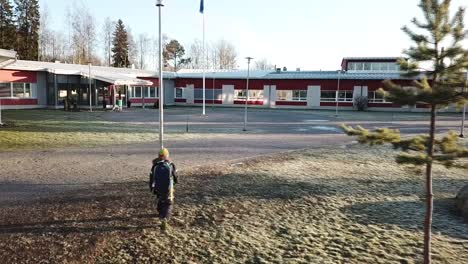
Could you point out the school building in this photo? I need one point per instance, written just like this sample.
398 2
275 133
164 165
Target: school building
30 84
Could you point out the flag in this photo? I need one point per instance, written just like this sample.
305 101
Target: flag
202 6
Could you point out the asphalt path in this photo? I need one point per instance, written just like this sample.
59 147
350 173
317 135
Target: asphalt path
220 139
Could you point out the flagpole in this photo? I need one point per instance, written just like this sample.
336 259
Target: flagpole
161 80
204 64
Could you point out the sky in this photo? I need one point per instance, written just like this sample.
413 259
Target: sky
306 34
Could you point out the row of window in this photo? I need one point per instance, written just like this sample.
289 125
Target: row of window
17 90
347 96
284 95
253 94
373 66
335 96
143 92
299 95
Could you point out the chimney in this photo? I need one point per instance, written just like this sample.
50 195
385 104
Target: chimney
285 69
298 69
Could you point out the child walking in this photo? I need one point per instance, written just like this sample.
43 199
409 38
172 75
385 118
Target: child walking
163 177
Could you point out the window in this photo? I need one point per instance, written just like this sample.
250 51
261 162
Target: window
240 94
367 66
256 94
137 93
358 66
18 90
376 66
375 97
5 90
179 93
328 96
144 92
345 96
153 92
27 90
299 95
283 95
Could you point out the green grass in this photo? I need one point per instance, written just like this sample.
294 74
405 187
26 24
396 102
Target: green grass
42 129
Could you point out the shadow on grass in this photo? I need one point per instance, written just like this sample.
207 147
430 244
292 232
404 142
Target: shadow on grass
129 206
409 215
96 225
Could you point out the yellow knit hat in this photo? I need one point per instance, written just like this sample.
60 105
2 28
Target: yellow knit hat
164 153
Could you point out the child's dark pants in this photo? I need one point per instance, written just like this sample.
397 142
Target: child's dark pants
164 208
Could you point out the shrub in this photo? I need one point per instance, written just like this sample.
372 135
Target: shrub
361 103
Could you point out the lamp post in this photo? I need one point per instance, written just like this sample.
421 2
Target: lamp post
462 129
247 92
159 4
214 82
1 124
90 90
463 122
338 93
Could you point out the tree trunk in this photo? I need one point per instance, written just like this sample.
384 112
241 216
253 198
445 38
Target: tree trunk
429 194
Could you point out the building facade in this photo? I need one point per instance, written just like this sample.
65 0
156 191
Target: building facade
27 84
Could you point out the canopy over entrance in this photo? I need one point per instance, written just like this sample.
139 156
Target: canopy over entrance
113 76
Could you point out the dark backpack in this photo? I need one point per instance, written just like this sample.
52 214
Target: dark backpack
162 178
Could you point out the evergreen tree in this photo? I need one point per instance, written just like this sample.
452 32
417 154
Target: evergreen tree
439 45
7 26
27 19
120 46
175 52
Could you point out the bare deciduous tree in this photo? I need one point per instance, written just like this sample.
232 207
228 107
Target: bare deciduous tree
143 46
45 34
263 65
83 33
225 54
196 55
52 44
107 30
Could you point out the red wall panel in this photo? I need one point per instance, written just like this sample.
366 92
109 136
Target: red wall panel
180 100
238 83
291 103
383 105
334 104
15 101
154 80
140 100
18 76
242 102
209 101
288 84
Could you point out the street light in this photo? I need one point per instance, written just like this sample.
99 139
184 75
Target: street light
463 122
90 90
214 82
464 109
338 93
1 124
247 92
159 4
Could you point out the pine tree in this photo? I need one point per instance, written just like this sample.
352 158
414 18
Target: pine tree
440 46
120 46
28 21
7 26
